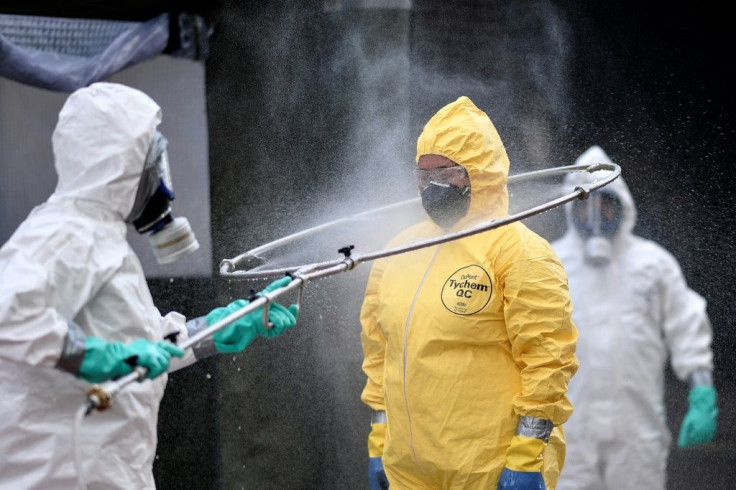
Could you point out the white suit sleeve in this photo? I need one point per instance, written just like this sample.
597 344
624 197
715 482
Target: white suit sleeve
41 291
174 329
33 330
686 324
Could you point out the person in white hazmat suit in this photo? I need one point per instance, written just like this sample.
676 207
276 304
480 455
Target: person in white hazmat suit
633 309
75 308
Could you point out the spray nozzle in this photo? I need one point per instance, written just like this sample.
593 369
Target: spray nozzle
346 250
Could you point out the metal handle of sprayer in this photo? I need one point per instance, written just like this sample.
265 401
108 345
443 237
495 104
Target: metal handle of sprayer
100 396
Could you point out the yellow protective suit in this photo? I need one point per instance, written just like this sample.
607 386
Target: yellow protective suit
462 339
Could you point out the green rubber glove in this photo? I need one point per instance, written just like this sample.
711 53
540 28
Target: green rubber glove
108 360
243 331
699 425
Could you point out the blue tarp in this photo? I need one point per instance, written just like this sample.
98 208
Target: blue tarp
66 70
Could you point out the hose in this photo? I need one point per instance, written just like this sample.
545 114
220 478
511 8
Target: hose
77 446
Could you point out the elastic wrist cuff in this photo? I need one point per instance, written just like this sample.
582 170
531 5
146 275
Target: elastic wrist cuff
206 346
73 350
701 377
378 417
534 427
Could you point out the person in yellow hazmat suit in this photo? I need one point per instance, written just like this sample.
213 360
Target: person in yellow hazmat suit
468 346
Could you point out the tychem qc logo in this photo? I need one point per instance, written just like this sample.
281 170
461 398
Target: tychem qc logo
467 290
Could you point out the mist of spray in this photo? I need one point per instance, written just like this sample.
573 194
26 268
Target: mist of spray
393 71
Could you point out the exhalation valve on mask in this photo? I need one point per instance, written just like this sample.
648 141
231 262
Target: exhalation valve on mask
170 238
598 251
597 220
446 204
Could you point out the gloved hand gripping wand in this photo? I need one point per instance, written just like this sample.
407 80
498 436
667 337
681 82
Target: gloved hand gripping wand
100 396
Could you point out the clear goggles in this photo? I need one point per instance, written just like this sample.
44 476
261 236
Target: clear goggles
156 175
455 176
600 214
158 158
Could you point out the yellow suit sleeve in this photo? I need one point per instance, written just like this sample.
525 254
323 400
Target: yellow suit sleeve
373 341
538 315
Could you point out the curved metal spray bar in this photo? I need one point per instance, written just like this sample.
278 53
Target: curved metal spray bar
228 267
100 396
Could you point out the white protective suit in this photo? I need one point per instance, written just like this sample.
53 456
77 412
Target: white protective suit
631 314
70 260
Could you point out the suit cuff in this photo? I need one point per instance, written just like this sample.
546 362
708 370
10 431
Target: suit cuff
534 427
205 347
378 417
73 350
701 377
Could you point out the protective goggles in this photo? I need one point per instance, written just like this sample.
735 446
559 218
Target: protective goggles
599 215
155 189
444 176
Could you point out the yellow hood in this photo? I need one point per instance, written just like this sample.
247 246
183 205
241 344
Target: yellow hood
465 134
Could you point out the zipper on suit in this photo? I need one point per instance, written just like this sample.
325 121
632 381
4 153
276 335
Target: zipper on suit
406 339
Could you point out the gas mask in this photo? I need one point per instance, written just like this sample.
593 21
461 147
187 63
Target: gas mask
445 194
170 237
597 220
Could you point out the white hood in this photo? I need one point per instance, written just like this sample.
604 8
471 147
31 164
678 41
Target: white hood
100 143
618 187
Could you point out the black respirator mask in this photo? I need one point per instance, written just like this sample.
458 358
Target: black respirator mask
446 204
598 220
445 193
170 237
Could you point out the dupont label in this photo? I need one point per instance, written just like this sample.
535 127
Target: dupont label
467 290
